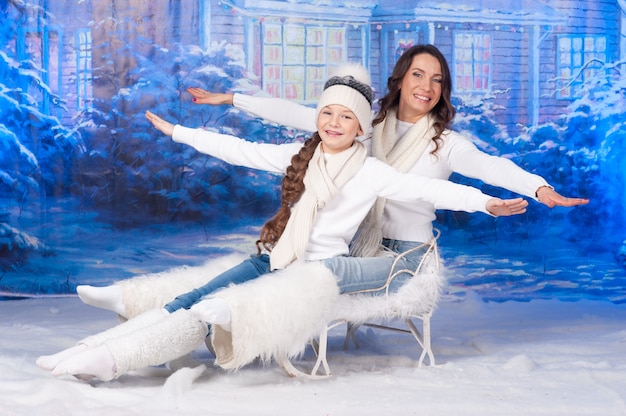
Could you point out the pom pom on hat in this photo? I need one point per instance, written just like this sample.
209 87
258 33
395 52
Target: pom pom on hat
350 87
356 71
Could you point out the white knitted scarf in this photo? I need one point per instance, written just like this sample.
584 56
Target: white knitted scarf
402 155
322 182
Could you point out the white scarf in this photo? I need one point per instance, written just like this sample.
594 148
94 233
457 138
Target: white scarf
322 182
402 155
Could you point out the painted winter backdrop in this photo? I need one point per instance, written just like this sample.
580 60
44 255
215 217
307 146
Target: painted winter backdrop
107 197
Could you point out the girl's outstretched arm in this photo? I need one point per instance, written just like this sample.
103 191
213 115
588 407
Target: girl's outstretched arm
163 126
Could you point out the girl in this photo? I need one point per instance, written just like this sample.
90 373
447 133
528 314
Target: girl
329 186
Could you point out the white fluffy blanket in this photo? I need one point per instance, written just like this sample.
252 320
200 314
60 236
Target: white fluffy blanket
275 315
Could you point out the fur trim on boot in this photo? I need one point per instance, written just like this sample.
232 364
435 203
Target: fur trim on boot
172 337
275 315
155 290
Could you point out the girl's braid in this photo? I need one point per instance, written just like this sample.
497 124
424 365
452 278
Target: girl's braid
292 190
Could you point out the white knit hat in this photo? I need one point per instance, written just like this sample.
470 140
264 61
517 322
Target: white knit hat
350 87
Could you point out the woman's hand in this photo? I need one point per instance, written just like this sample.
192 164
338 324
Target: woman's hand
551 198
201 96
506 207
161 125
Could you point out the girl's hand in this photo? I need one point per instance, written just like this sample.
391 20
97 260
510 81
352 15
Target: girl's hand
551 198
161 125
506 207
201 96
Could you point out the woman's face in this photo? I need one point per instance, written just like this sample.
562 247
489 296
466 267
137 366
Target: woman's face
420 88
337 127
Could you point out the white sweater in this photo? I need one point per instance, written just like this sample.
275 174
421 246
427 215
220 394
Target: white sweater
336 223
412 221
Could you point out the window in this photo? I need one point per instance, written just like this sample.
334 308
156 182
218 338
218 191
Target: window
84 93
578 59
472 62
40 47
298 58
403 41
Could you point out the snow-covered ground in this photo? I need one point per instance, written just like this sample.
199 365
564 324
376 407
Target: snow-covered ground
543 357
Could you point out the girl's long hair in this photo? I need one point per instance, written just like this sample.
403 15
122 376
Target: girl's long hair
442 113
291 191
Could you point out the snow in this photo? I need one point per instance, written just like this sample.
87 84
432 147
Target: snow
542 357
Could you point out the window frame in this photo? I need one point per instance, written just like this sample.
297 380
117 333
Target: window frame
84 70
577 61
465 64
297 58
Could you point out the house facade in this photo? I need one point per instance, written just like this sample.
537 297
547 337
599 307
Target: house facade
528 58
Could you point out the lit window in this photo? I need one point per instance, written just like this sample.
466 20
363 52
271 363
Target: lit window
298 58
472 62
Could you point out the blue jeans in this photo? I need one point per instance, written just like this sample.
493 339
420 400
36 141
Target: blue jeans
249 269
370 273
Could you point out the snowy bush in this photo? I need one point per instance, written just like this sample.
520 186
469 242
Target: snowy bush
35 148
138 175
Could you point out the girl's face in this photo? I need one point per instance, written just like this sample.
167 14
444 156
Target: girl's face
338 127
420 88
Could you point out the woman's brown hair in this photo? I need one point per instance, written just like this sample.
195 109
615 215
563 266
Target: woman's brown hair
291 191
442 113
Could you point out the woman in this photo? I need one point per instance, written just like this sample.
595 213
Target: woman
329 186
410 132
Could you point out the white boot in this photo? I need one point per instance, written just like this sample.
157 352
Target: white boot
49 362
93 362
155 290
131 297
107 297
167 339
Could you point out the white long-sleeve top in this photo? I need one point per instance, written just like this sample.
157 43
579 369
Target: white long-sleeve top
337 222
412 221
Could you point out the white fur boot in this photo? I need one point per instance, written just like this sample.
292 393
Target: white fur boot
107 297
92 362
49 362
172 337
155 290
